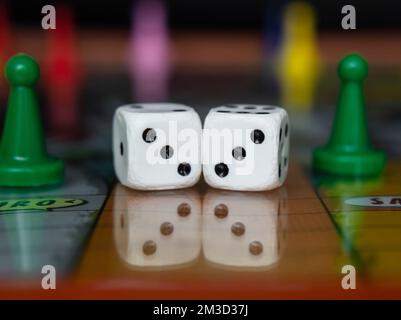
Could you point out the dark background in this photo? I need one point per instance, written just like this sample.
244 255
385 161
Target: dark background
215 14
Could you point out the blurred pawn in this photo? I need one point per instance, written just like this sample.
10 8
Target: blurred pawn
62 76
298 59
272 36
149 51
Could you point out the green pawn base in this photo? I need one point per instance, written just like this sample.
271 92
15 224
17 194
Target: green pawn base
368 163
48 172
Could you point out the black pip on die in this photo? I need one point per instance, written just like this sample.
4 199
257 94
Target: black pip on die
157 146
246 147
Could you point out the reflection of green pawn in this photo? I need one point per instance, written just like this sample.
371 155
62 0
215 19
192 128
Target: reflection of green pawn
23 158
349 152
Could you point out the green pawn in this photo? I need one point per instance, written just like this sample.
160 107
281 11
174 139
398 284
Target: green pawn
349 152
23 158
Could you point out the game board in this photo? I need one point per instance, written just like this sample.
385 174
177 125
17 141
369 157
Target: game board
315 234
312 235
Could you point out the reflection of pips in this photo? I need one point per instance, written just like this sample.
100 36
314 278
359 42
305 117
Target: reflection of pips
166 228
221 211
184 210
238 229
255 248
149 248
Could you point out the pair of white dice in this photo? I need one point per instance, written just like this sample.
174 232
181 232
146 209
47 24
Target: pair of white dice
160 146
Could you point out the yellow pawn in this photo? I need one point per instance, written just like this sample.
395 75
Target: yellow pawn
298 61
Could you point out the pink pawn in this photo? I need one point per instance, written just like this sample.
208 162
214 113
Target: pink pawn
149 51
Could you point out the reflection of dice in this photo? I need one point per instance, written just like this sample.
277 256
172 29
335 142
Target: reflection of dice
157 146
157 229
242 229
246 147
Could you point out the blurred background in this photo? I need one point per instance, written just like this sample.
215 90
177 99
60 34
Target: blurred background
209 14
204 53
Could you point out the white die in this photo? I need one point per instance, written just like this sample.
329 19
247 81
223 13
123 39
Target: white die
246 147
158 229
242 230
147 142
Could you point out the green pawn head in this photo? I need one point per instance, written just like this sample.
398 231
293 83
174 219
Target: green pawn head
22 70
353 67
23 158
349 152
